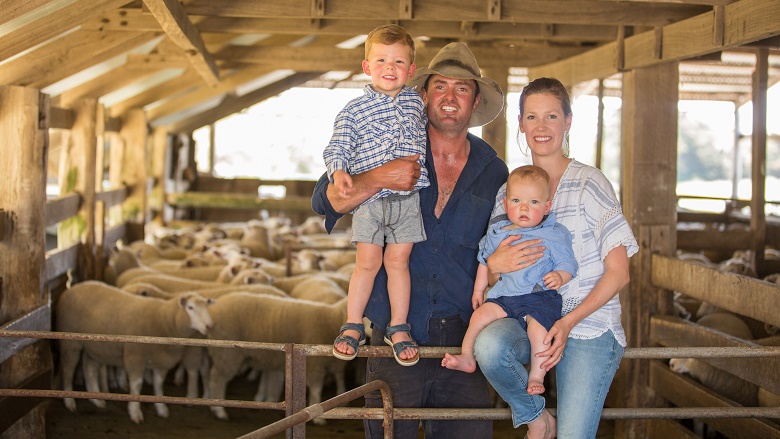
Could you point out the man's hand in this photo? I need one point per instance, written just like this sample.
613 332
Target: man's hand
400 174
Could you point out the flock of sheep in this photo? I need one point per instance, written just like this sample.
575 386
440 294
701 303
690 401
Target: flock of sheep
232 283
216 282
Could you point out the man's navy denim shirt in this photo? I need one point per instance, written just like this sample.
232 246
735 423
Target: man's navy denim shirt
443 267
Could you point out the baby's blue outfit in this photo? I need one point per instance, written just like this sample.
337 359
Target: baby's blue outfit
523 292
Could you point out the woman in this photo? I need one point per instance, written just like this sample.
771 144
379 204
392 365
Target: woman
589 333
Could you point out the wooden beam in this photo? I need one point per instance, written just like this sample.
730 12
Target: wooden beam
714 240
45 22
512 11
676 332
187 80
739 294
333 58
62 208
683 39
175 23
59 261
758 160
203 93
103 85
684 392
68 55
234 104
237 201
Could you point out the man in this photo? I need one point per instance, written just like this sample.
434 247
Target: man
465 174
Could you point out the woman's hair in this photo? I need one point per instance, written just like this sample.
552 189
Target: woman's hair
390 34
549 86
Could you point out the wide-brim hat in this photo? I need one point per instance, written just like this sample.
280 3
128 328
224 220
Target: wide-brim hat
455 60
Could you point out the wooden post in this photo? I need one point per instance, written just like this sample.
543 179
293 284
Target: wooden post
649 178
494 133
134 136
600 125
758 162
24 150
156 199
77 174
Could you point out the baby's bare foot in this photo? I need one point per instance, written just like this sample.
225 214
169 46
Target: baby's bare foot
462 363
535 387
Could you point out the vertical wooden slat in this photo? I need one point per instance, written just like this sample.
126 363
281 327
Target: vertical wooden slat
649 164
494 133
77 174
758 162
24 150
134 172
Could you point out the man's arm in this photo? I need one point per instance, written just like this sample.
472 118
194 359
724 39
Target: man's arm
400 174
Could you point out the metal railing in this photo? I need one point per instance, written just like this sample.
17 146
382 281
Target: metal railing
297 414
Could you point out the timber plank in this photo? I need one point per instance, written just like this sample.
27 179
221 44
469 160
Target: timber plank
684 392
739 294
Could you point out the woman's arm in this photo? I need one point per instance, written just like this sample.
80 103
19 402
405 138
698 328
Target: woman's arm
615 277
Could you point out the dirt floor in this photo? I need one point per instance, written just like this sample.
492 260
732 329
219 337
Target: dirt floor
187 422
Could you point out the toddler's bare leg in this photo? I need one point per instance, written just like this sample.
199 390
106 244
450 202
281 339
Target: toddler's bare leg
483 316
536 334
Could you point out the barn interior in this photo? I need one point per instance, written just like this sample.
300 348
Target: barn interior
100 100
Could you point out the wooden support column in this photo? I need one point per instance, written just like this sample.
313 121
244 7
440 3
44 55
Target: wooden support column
24 150
494 133
134 134
77 175
758 162
156 200
649 178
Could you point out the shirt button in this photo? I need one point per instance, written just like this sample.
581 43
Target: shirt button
435 276
500 278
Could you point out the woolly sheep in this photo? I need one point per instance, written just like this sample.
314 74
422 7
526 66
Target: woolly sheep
290 282
259 318
97 308
724 383
318 289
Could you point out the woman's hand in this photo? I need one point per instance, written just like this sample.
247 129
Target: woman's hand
509 257
556 338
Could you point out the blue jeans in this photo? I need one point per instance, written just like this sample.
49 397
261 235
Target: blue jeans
429 385
583 376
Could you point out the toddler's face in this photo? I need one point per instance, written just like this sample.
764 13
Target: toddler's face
389 66
526 201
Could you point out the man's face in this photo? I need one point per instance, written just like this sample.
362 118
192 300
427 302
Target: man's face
450 102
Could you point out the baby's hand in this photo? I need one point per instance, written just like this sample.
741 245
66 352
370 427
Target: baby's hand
343 183
477 297
553 280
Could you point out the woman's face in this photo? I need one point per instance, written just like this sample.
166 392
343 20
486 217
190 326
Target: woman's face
544 123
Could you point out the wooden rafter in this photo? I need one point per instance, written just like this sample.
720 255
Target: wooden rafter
175 23
684 39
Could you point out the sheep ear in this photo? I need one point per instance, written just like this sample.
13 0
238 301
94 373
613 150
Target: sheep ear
183 301
210 302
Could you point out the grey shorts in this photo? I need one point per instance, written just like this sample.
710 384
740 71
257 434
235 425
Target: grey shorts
394 219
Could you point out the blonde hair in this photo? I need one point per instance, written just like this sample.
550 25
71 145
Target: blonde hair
530 172
390 34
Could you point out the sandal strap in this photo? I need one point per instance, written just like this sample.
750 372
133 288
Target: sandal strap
403 327
359 327
403 345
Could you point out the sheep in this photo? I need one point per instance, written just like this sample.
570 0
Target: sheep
177 284
318 289
270 319
97 308
289 283
145 289
724 383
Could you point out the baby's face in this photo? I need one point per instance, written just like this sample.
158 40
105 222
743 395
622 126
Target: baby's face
526 201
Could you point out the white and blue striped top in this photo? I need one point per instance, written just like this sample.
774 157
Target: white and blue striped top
374 129
586 204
